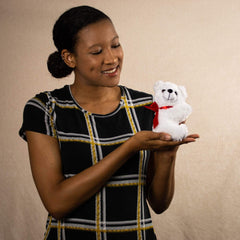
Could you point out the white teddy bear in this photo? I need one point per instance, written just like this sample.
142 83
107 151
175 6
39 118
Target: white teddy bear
171 109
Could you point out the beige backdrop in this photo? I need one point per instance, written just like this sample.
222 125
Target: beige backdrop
190 42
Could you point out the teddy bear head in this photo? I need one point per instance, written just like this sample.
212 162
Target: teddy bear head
167 93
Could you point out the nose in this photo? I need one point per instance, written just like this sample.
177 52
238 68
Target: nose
170 90
109 57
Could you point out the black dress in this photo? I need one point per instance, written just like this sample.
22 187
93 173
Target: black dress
119 211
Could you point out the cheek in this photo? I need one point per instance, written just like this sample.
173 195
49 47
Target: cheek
92 69
92 65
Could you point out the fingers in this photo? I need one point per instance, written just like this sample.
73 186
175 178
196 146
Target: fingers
165 136
188 139
163 144
157 136
193 136
148 140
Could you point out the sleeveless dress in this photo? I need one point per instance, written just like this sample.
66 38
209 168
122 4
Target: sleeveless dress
119 211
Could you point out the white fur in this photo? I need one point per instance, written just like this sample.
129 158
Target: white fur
170 119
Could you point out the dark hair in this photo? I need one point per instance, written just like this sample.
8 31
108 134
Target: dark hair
65 35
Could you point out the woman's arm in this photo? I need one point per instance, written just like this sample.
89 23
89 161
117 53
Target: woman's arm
59 195
160 176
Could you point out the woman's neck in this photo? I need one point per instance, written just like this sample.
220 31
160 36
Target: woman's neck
97 99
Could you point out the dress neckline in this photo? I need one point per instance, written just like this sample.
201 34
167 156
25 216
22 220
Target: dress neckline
121 102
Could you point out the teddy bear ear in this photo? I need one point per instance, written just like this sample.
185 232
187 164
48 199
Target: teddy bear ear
183 91
157 85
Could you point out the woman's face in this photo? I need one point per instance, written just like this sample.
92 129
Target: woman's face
98 55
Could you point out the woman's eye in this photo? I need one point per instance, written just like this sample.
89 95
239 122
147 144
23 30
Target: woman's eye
96 52
116 45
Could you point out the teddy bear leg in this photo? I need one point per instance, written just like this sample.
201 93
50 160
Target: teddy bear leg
180 132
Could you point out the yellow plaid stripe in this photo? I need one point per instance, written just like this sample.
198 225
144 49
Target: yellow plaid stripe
93 147
125 184
139 195
52 123
48 228
59 230
90 142
140 170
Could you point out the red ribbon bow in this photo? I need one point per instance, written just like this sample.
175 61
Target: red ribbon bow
154 107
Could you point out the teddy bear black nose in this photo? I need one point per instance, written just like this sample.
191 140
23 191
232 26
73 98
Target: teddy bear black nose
170 90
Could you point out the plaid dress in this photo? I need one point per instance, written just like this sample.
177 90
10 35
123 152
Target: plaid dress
119 211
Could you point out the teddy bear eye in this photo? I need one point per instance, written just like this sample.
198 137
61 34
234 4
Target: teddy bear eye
163 90
176 93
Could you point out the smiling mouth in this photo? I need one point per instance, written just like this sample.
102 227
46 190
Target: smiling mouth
113 70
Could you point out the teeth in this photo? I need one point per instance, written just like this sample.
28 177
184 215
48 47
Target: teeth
110 71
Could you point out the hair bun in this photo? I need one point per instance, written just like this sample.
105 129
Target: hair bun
57 67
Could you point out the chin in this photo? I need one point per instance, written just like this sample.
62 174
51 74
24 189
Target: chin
112 83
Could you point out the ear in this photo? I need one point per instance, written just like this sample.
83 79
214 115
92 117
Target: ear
68 58
183 91
157 85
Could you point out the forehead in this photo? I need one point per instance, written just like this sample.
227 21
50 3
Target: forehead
169 85
97 33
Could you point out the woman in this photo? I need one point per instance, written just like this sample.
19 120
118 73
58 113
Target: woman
94 158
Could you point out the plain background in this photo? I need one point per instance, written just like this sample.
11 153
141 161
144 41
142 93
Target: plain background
189 42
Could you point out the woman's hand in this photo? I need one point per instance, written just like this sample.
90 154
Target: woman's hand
148 140
171 149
